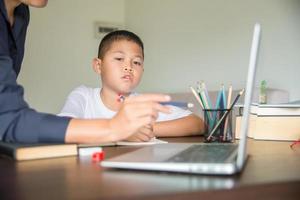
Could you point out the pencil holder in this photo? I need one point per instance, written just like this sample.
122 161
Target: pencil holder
218 125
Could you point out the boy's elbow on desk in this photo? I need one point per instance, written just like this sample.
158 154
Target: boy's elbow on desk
186 126
196 125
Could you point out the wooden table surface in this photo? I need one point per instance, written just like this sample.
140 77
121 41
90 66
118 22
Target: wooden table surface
272 172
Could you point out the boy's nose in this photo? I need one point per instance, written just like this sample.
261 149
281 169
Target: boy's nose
128 69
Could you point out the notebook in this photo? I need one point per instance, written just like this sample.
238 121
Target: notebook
20 152
199 158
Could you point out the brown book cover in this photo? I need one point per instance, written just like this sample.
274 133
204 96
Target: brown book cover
271 127
19 151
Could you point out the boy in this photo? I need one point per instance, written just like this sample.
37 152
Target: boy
120 65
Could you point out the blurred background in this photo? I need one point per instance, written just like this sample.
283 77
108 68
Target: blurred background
185 41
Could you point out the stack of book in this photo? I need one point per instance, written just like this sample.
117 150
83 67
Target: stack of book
272 121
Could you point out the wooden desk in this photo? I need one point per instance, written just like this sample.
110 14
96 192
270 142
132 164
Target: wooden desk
272 172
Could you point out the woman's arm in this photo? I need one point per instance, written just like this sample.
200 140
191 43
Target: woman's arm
19 123
189 125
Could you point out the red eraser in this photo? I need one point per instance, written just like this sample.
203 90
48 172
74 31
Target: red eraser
98 156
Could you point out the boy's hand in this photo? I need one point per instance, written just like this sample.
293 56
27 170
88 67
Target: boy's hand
137 112
144 134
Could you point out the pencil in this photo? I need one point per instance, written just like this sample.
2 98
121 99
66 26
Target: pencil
229 96
219 96
205 96
217 106
206 101
225 114
196 96
228 105
224 97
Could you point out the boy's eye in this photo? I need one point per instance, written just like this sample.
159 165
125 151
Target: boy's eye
137 63
119 59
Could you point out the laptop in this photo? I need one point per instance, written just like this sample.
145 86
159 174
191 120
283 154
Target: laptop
197 158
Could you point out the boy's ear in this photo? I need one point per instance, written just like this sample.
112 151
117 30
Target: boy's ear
97 65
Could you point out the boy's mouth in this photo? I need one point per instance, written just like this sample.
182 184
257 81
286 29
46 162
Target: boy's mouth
127 77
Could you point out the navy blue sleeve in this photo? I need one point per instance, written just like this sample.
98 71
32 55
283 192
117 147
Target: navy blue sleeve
18 122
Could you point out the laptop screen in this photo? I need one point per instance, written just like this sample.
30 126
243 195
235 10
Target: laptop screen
248 96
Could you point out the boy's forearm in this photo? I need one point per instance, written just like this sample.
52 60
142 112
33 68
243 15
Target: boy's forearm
186 126
89 131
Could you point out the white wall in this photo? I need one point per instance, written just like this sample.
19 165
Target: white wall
185 41
60 47
191 40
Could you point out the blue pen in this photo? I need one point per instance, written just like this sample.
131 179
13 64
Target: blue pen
178 104
121 98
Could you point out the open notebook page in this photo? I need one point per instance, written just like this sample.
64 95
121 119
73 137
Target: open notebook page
150 142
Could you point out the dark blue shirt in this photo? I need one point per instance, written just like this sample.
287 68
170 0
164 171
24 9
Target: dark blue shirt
13 38
18 122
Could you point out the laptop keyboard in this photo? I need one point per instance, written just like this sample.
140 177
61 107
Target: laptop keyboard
211 153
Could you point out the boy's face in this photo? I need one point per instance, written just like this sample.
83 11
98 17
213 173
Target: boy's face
122 67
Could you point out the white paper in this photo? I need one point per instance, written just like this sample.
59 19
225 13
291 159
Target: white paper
150 142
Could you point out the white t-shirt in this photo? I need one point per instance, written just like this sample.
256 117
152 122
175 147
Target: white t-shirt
85 102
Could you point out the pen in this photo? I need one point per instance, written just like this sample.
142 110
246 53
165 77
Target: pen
178 104
181 104
225 114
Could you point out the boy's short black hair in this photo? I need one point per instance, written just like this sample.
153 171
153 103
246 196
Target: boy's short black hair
115 36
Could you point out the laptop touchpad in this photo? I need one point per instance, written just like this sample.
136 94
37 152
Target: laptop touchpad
155 153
